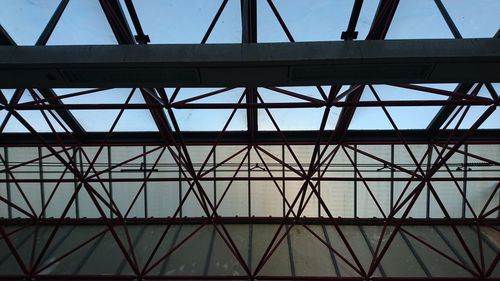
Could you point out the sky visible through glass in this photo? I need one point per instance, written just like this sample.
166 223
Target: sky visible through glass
186 21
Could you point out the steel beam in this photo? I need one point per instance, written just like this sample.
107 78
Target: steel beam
248 36
265 64
491 136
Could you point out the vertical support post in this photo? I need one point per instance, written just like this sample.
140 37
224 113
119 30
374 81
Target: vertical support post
215 174
7 184
80 158
249 182
466 147
145 182
319 182
42 188
110 175
180 190
392 176
250 248
249 35
283 175
428 198
355 182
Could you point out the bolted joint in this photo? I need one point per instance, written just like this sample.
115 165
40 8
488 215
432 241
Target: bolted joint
349 35
142 38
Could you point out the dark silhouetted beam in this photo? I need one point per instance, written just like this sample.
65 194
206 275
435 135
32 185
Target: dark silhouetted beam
270 64
249 35
241 137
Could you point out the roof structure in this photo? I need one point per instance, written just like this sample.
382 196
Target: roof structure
249 140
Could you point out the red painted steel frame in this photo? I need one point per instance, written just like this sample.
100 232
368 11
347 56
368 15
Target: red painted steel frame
310 175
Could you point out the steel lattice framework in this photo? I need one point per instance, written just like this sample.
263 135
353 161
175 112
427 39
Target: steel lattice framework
273 159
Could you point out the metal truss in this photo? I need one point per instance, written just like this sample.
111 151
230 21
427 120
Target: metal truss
84 170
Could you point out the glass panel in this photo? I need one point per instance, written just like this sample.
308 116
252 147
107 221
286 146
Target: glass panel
228 27
294 118
178 17
366 17
438 265
235 201
221 261
25 20
136 121
310 256
8 93
8 264
225 96
338 197
4 208
68 238
319 20
210 119
101 263
124 193
24 194
403 159
359 245
469 235
474 112
54 169
182 261
418 20
279 263
36 121
449 196
478 191
474 19
162 196
398 260
110 96
101 120
403 116
34 117
273 94
151 237
373 197
86 206
265 199
95 120
82 23
292 189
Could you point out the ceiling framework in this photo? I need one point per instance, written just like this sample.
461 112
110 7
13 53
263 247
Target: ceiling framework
250 198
